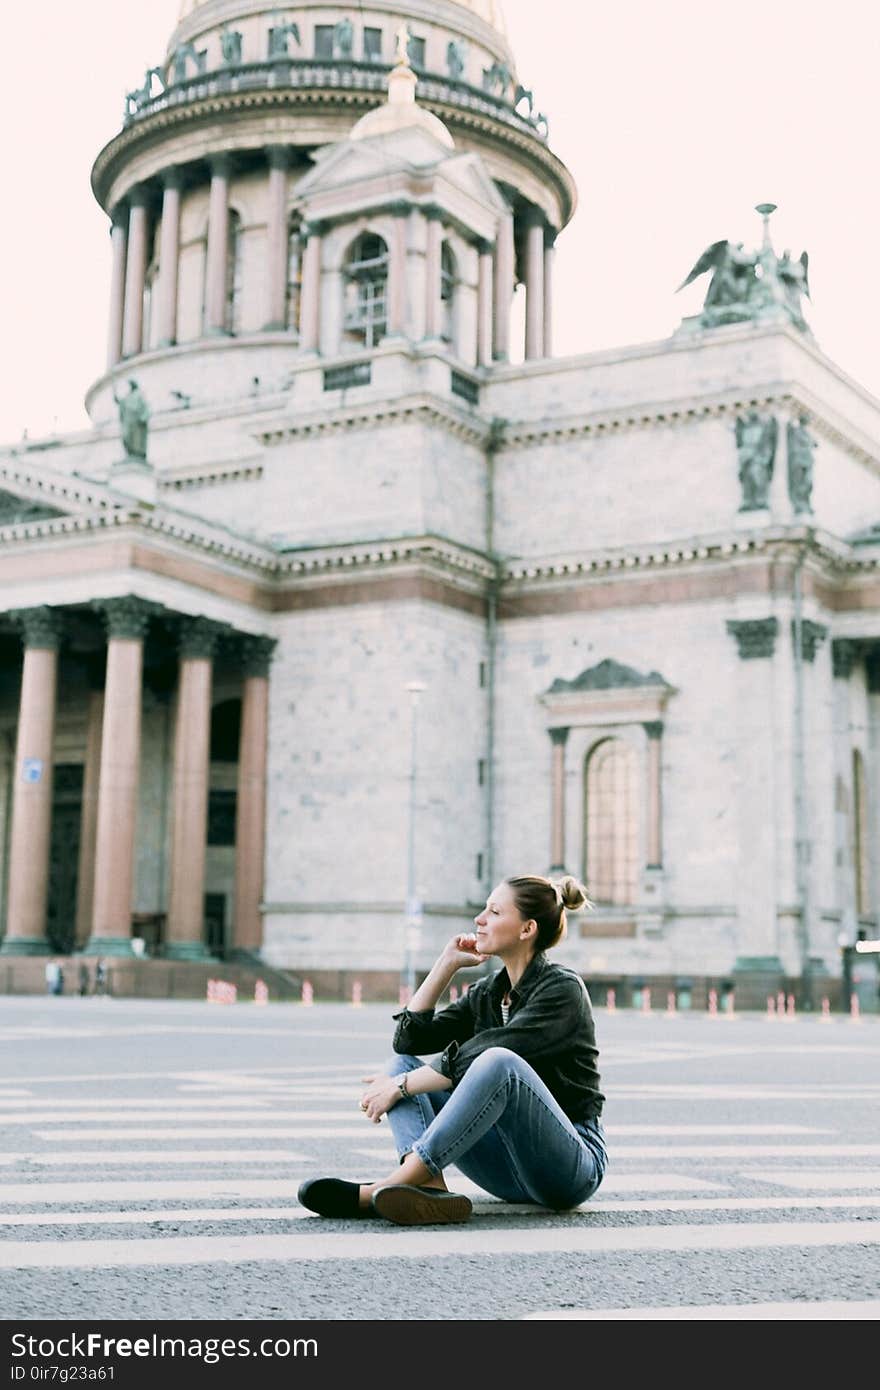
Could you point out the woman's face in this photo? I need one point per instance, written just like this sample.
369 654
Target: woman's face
499 926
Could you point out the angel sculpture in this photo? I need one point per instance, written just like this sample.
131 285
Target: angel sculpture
756 446
795 282
732 284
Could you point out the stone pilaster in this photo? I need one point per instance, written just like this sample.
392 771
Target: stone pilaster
505 274
654 731
192 738
135 272
558 739
127 621
549 259
169 257
32 786
310 305
397 258
279 157
484 305
216 269
118 247
250 812
433 253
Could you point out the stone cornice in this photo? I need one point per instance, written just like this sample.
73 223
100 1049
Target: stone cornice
464 424
419 550
40 486
150 129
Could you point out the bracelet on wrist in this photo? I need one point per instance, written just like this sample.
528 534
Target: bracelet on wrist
402 1087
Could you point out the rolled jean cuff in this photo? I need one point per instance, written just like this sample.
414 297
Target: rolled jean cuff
428 1162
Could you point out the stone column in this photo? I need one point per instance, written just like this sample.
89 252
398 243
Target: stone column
484 305
758 968
505 276
310 303
535 287
277 234
433 252
88 835
549 257
135 272
216 268
250 809
558 738
118 246
169 256
32 785
119 777
397 289
192 741
654 730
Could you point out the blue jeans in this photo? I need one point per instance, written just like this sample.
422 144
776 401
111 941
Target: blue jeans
502 1128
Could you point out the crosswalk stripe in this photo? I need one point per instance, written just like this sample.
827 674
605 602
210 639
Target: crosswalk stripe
803 1178
394 1243
216 1188
618 1182
713 1312
116 1158
738 1152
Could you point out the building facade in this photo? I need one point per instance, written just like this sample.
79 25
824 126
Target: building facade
639 588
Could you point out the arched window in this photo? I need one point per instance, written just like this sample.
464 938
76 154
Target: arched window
447 293
366 290
611 820
294 274
232 317
860 835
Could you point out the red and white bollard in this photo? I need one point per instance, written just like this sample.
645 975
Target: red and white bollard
611 1001
646 1001
730 1004
356 995
771 1007
261 992
790 1009
670 1004
713 1003
780 1004
210 992
308 994
453 993
826 1010
854 1012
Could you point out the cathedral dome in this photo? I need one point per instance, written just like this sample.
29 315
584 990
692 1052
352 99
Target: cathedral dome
487 10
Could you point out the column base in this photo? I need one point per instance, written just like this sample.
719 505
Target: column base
186 950
26 946
108 946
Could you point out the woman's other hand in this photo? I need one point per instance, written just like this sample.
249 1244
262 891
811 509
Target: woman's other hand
382 1092
462 952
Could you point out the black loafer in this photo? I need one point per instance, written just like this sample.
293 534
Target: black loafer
420 1206
332 1197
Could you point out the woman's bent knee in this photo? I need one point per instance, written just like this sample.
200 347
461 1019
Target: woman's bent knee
399 1062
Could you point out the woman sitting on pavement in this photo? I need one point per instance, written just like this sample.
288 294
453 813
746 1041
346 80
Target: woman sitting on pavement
514 1099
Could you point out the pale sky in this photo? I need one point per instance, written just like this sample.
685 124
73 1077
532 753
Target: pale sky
675 117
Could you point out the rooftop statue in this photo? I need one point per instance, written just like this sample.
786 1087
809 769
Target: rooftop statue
134 416
751 286
278 38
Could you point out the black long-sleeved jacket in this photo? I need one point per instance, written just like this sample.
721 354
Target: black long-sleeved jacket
550 1026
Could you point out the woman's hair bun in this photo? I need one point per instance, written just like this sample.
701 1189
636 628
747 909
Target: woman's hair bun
573 894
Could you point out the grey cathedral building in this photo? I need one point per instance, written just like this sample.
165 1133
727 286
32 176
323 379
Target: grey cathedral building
346 605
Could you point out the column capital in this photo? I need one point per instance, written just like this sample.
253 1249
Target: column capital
40 627
654 728
755 637
534 217
484 247
138 197
845 652
255 654
173 177
811 636
279 156
220 165
198 637
433 213
400 208
119 218
550 235
315 228
127 618
558 736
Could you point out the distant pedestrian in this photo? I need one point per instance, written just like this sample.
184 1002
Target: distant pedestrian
83 978
514 1099
54 977
101 976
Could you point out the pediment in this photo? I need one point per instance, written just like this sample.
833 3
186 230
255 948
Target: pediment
605 694
34 493
607 675
350 161
468 173
15 508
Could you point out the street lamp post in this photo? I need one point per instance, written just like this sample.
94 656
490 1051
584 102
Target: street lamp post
413 905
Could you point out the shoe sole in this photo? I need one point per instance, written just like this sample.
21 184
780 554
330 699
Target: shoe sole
407 1206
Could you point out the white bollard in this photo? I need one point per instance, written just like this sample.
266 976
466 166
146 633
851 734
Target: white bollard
611 1001
308 994
713 1003
261 992
356 993
670 1004
854 1011
771 1007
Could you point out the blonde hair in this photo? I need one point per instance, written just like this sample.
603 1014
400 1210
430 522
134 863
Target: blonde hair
545 902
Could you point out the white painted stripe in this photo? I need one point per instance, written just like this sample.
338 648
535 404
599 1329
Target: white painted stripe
110 1108
377 1242
205 1132
216 1188
699 1091
739 1152
141 1157
816 1178
6 1092
240 1075
612 1182
488 1206
725 1312
127 1122
766 1131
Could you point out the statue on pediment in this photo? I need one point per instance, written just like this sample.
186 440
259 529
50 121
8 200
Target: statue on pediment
751 286
134 418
